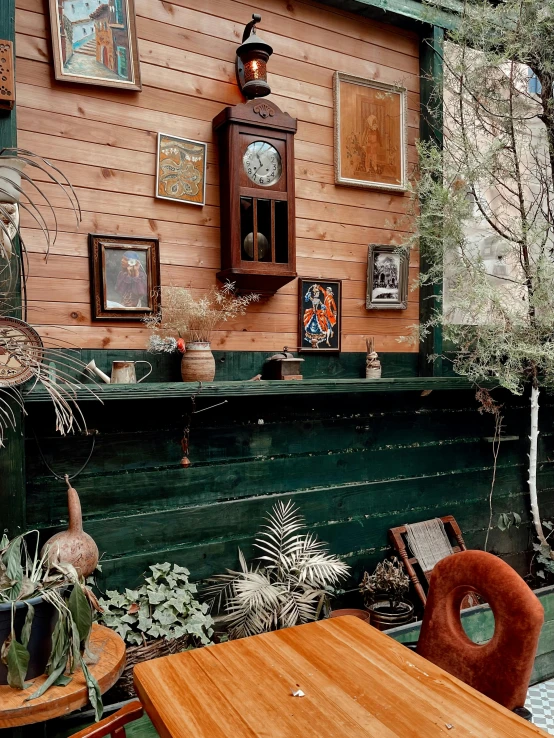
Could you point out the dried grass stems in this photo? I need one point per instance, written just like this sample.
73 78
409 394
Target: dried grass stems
183 316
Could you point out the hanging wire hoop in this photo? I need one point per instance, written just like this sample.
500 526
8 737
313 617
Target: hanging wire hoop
66 477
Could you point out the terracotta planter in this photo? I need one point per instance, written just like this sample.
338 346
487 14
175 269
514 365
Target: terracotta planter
198 363
381 617
361 614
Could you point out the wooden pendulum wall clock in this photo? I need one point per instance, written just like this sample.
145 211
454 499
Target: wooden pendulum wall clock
256 156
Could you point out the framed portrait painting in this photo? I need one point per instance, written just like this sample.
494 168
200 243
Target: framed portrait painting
181 169
320 315
95 42
387 278
124 277
370 133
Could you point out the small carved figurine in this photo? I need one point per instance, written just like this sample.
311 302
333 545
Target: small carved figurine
372 363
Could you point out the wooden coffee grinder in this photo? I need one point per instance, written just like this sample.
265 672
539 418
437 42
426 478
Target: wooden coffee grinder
283 365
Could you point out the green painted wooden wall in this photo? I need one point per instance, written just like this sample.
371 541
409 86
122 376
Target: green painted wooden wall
355 464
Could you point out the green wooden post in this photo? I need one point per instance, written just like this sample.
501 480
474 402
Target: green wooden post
431 129
12 457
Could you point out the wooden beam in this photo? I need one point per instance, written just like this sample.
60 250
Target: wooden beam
431 129
176 390
404 12
12 457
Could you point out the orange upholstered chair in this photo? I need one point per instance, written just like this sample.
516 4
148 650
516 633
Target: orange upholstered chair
501 668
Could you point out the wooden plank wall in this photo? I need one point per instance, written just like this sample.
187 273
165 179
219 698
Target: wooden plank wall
355 465
105 141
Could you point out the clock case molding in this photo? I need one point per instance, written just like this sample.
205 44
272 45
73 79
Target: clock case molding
236 127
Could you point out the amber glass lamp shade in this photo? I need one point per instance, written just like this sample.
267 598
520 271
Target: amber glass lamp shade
251 67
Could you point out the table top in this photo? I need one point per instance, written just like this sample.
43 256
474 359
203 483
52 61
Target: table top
357 683
105 644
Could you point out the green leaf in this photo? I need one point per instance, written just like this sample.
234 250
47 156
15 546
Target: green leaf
57 671
18 661
503 522
80 611
62 681
58 645
28 624
94 694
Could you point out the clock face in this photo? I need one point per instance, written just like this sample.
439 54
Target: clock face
262 163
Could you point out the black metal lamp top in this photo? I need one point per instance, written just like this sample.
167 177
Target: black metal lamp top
251 62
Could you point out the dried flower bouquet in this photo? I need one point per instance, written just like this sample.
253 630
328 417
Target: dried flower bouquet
184 318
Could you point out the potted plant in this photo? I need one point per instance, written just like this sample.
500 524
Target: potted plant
384 594
288 585
186 323
159 618
45 619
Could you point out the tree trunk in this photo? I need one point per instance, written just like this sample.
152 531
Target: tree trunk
533 438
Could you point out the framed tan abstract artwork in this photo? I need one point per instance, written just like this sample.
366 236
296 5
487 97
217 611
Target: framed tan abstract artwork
181 173
370 133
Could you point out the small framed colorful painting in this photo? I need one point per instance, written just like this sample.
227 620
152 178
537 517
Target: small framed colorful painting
387 278
95 42
181 173
124 277
370 133
320 315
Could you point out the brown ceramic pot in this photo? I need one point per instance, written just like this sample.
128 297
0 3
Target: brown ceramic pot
198 363
361 614
382 618
73 545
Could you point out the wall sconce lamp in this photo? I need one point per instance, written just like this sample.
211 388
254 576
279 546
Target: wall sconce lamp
251 62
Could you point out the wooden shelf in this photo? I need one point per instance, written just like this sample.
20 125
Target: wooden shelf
175 390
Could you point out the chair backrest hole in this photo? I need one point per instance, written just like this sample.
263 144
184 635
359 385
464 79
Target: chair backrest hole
478 622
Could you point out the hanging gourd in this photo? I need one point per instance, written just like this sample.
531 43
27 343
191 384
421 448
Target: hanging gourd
73 545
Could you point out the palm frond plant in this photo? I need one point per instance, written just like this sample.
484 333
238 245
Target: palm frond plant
52 366
26 578
286 586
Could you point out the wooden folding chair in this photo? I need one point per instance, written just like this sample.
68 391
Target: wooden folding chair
398 540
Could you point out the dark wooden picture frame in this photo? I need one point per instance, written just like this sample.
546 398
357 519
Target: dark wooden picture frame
114 45
130 274
392 294
319 315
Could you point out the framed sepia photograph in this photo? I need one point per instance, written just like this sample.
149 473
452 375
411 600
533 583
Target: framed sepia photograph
181 169
124 277
370 133
387 278
95 42
320 315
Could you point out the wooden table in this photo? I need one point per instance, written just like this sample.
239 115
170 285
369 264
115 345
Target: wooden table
358 683
57 701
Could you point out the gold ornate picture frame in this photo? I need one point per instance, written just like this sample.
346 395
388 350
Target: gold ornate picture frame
95 43
371 134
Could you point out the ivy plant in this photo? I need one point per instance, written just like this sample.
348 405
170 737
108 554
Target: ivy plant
165 606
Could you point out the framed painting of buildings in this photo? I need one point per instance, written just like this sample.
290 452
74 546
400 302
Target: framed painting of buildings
124 277
370 133
95 42
320 315
387 278
181 169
